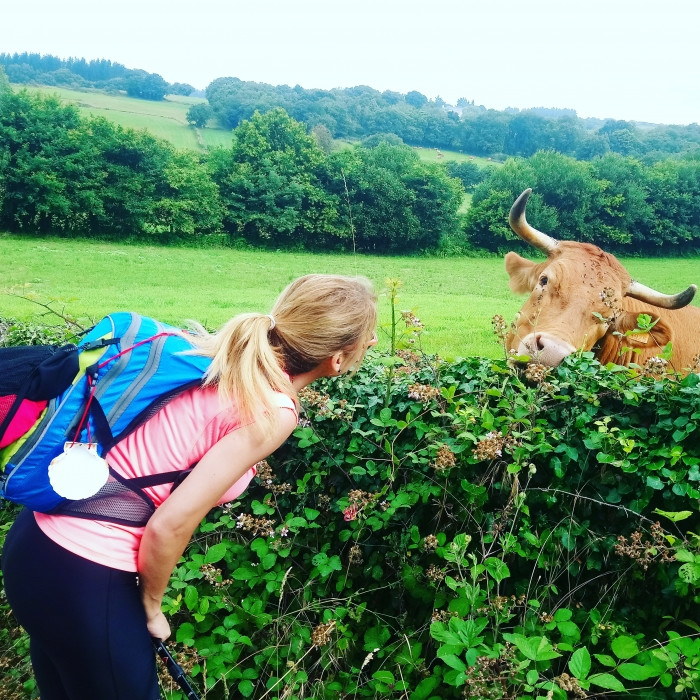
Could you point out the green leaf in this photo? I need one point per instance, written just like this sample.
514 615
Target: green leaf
295 523
268 561
496 568
580 663
243 573
569 629
533 648
562 614
185 633
605 660
690 572
636 672
425 688
454 661
191 597
216 552
532 676
693 625
655 483
384 677
676 516
624 647
605 680
246 688
684 555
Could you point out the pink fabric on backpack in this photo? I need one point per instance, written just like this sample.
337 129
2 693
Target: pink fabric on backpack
27 415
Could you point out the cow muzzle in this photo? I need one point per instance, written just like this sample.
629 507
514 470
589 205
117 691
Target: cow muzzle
544 348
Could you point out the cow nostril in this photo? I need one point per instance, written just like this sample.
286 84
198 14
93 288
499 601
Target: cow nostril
539 343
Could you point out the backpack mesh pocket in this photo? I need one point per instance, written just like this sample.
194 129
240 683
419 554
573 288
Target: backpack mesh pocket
115 502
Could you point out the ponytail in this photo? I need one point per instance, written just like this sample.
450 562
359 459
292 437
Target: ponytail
253 355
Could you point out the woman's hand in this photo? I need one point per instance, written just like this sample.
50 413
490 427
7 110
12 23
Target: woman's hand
158 626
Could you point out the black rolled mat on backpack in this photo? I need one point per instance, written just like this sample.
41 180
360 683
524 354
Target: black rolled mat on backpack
36 373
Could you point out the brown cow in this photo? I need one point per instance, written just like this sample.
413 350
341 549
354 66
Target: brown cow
582 298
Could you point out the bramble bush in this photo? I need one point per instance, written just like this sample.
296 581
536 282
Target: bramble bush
440 530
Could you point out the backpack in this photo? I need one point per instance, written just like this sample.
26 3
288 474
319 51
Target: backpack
125 369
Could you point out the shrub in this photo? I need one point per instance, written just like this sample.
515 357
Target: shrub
466 529
440 530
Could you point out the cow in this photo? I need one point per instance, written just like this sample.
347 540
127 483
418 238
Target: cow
582 298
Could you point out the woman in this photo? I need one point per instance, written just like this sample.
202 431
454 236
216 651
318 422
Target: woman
89 592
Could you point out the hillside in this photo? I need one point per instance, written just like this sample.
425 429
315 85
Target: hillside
166 118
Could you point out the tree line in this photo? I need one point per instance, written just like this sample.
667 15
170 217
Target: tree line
361 111
276 186
77 73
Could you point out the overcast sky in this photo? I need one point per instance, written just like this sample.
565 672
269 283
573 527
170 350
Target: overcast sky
622 59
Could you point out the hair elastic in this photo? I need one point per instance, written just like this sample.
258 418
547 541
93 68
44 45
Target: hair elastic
272 321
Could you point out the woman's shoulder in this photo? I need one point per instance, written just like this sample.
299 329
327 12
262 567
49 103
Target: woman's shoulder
284 401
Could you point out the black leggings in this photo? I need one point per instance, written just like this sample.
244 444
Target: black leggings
86 622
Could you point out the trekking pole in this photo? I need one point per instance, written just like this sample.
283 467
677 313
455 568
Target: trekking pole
175 669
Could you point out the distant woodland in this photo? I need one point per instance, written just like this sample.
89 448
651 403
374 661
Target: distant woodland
285 182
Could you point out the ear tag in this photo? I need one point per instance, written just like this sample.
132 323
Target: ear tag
637 338
79 472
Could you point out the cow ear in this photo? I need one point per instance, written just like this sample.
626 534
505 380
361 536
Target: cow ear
520 270
660 334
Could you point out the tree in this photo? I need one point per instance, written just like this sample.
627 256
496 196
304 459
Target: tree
527 133
470 174
674 194
4 82
20 73
393 201
147 86
132 167
591 144
323 137
46 167
485 133
376 139
189 201
416 99
199 114
181 89
269 183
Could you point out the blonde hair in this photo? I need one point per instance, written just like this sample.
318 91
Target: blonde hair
254 354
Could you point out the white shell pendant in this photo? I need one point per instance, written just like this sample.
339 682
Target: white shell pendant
79 472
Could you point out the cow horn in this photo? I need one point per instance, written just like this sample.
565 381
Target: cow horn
665 301
530 235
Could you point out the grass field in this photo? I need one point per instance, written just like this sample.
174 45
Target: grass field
432 155
456 298
166 119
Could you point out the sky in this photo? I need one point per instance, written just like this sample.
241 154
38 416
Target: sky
619 59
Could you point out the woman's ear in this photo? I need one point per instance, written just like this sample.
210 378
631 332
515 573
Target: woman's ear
331 366
336 363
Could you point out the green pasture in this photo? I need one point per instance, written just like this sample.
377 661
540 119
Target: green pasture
166 119
455 298
439 155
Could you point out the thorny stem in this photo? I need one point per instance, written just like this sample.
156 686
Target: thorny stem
393 285
66 319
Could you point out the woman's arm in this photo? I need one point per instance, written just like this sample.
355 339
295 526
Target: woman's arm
170 528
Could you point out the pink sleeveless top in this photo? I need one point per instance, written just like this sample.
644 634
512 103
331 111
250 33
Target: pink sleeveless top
178 436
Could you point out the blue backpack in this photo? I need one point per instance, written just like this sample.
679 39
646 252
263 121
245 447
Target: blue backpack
128 367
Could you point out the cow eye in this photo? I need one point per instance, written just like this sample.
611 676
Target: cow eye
543 280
